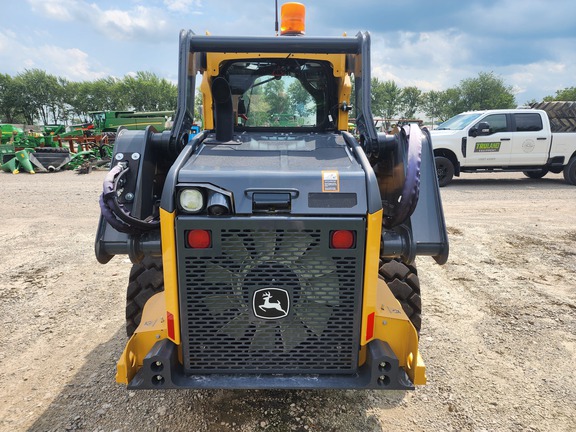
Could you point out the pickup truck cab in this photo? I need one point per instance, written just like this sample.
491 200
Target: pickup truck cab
502 140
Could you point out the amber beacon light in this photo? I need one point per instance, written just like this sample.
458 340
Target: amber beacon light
293 16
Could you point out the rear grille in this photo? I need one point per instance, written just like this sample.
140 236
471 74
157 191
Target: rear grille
235 314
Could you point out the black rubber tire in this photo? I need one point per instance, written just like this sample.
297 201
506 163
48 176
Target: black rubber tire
536 174
570 172
444 170
51 150
146 279
110 136
402 279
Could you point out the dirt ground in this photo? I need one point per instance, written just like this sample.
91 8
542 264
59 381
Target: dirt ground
498 333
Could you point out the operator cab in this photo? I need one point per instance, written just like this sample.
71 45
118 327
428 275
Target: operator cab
282 93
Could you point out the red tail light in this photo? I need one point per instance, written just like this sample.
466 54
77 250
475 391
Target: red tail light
170 325
199 239
342 239
370 326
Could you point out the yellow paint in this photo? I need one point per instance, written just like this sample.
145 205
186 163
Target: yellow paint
371 262
168 231
391 324
142 124
208 110
152 329
394 327
344 90
214 60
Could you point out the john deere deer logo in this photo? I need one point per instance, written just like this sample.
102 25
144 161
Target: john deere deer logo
270 303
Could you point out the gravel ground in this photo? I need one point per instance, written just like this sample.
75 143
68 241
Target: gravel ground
498 334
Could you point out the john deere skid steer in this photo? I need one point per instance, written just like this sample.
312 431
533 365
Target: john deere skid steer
274 249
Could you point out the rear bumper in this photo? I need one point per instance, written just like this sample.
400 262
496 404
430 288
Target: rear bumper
161 370
390 361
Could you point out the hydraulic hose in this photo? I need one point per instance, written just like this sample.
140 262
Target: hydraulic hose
114 213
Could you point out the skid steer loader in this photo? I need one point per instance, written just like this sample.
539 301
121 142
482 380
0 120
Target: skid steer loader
273 249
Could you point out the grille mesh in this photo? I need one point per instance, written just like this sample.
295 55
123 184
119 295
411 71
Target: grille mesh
220 330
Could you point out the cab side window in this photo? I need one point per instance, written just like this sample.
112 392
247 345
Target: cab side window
528 122
497 123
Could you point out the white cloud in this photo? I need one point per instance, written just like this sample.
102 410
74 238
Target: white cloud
429 61
183 5
544 77
438 60
62 10
71 63
529 43
138 23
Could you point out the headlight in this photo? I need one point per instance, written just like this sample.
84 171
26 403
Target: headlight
191 200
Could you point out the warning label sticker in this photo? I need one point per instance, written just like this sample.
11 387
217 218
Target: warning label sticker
330 181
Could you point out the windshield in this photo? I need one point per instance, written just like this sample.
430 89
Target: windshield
98 119
459 121
282 93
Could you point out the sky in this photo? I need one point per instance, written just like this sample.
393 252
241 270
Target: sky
430 44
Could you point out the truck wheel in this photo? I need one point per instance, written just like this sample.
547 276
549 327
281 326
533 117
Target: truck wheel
536 174
570 172
146 279
402 279
444 170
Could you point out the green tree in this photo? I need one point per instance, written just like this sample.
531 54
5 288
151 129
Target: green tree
275 96
24 104
298 97
147 92
431 105
43 95
257 106
198 108
10 98
567 94
386 98
410 98
451 103
105 94
77 96
487 91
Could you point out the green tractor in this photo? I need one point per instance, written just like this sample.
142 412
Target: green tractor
108 122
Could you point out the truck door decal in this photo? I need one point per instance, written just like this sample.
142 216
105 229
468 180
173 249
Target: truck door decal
528 146
487 147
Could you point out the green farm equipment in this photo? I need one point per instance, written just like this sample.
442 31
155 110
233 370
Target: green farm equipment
10 133
108 122
14 155
14 161
53 149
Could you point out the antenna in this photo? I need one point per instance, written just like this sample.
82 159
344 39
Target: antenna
276 17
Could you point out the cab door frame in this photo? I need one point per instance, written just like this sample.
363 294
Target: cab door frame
489 141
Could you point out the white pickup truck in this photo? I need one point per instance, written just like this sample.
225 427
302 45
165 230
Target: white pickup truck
503 140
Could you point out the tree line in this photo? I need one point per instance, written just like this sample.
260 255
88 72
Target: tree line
35 96
486 91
